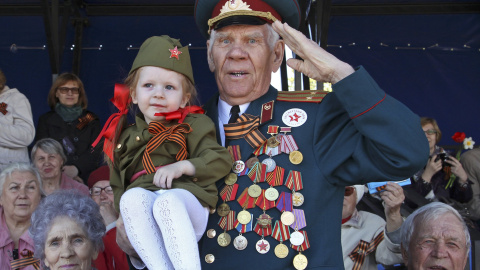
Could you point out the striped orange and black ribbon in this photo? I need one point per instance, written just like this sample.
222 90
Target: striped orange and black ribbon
162 133
245 127
3 108
27 260
363 249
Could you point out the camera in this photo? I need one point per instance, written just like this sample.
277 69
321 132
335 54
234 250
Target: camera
443 156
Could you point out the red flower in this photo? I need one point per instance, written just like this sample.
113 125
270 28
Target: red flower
459 137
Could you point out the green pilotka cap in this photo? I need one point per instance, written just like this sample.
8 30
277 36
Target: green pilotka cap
164 52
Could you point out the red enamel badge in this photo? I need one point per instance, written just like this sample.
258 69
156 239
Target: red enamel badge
175 52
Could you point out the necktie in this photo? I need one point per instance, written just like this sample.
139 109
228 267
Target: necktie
235 114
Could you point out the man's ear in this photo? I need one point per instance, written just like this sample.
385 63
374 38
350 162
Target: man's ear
211 65
278 51
404 255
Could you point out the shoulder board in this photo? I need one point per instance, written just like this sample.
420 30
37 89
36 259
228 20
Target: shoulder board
313 96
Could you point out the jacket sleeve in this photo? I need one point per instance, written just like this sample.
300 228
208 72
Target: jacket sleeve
88 160
211 160
21 131
388 251
42 128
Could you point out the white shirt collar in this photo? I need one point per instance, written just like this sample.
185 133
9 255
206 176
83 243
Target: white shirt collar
224 114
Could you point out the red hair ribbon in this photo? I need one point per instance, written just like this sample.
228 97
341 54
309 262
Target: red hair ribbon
121 100
181 113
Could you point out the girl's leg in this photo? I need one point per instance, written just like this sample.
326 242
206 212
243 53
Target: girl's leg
182 221
142 229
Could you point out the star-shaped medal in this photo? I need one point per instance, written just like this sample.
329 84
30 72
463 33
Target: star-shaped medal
175 52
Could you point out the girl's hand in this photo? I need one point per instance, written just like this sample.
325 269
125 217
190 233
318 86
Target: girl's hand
165 175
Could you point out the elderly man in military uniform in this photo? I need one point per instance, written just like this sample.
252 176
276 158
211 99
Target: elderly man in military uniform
293 153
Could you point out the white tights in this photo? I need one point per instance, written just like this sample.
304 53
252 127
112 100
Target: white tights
164 227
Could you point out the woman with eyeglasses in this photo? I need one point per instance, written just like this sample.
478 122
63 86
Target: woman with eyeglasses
72 125
431 181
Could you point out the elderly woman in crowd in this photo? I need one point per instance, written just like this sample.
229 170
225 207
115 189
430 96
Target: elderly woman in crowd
17 130
431 181
20 193
70 123
48 157
67 230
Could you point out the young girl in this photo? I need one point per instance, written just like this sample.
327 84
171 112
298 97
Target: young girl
164 167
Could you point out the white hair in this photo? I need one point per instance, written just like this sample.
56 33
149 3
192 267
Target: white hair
426 213
20 167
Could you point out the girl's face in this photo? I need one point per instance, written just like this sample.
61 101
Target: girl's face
159 90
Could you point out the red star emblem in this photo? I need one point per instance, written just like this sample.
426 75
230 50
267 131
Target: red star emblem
263 246
295 117
175 52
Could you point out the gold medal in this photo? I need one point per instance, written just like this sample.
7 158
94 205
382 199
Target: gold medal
262 246
244 217
281 251
272 142
264 220
295 157
230 179
254 191
287 218
209 258
223 210
271 194
297 199
300 262
238 166
240 242
251 162
224 239
211 233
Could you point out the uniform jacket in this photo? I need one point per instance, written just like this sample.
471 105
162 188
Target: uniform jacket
357 134
366 226
7 245
211 160
17 127
51 125
112 257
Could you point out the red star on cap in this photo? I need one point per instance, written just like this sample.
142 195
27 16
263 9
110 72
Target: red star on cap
175 52
263 246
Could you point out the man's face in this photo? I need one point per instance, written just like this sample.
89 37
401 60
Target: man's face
243 62
437 244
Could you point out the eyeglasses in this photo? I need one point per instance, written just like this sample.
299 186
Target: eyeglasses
349 191
430 131
95 191
65 90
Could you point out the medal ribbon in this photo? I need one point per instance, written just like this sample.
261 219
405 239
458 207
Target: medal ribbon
263 231
27 260
3 108
281 232
284 202
285 129
244 228
305 245
244 172
234 152
226 223
122 100
162 133
245 200
258 173
275 178
228 193
300 221
246 127
262 149
294 181
263 203
363 249
272 151
272 130
288 144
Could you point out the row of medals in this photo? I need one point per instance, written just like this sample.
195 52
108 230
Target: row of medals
244 217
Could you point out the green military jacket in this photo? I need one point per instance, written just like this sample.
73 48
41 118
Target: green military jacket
211 160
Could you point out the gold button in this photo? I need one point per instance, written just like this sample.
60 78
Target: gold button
209 258
137 138
195 179
212 210
211 233
119 145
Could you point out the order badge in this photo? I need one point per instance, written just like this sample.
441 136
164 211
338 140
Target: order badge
294 117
